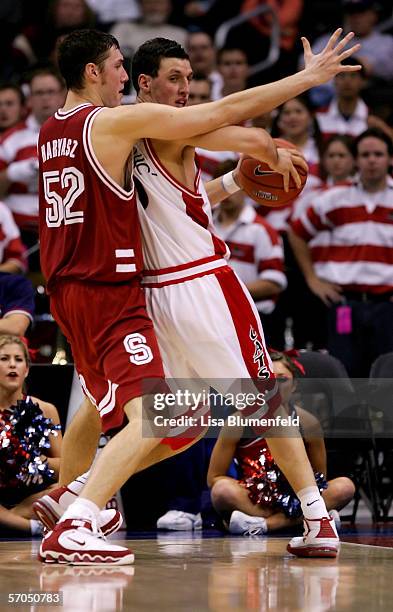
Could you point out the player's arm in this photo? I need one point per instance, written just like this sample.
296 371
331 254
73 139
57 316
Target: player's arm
222 455
313 440
167 123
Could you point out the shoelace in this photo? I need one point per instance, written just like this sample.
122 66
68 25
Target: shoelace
95 529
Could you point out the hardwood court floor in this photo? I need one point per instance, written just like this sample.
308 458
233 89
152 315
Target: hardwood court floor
177 572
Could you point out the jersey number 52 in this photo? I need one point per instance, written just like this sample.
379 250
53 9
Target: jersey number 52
59 211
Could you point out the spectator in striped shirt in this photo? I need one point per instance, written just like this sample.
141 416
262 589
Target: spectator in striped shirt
18 154
12 103
350 270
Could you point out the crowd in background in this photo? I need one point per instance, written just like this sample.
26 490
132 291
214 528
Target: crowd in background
319 268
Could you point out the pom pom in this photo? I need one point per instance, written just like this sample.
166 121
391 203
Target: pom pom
24 437
267 485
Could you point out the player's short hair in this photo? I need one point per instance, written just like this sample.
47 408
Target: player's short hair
373 133
80 48
147 58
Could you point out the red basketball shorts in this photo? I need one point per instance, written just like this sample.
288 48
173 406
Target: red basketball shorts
113 343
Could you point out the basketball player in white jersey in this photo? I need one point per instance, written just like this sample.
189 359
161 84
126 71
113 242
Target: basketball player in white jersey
205 320
165 125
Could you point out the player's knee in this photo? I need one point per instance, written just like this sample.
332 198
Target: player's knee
223 494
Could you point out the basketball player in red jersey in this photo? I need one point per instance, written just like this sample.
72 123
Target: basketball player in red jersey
91 255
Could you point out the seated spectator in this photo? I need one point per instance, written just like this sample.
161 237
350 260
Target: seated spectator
109 12
202 52
62 17
232 64
16 304
153 23
200 92
12 106
17 490
346 113
337 168
257 503
295 121
351 271
376 53
12 251
18 153
256 248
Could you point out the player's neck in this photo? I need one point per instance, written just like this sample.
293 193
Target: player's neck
75 98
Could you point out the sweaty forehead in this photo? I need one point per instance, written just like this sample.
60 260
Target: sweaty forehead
169 65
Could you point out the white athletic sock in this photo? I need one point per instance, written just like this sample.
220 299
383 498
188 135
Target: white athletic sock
77 485
82 508
313 505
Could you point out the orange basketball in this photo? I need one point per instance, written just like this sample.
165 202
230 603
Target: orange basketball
266 186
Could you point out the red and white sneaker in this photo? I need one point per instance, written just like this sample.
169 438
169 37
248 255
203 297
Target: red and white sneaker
52 506
320 539
77 542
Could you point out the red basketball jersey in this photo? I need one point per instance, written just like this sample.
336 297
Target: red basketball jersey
89 228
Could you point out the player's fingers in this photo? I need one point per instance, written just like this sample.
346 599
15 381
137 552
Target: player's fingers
286 181
343 42
296 177
348 52
306 46
299 160
333 39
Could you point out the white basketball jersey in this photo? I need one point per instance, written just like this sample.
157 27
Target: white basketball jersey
177 226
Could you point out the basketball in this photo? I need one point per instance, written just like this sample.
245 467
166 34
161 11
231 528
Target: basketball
266 186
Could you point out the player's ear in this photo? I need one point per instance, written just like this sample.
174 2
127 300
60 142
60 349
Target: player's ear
91 71
144 82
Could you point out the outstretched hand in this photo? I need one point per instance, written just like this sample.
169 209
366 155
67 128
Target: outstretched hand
325 65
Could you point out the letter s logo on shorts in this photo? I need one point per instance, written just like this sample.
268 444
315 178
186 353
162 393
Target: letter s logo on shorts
140 352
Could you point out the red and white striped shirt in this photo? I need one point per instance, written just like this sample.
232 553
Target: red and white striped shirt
208 161
19 143
11 246
279 217
256 251
331 121
355 228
